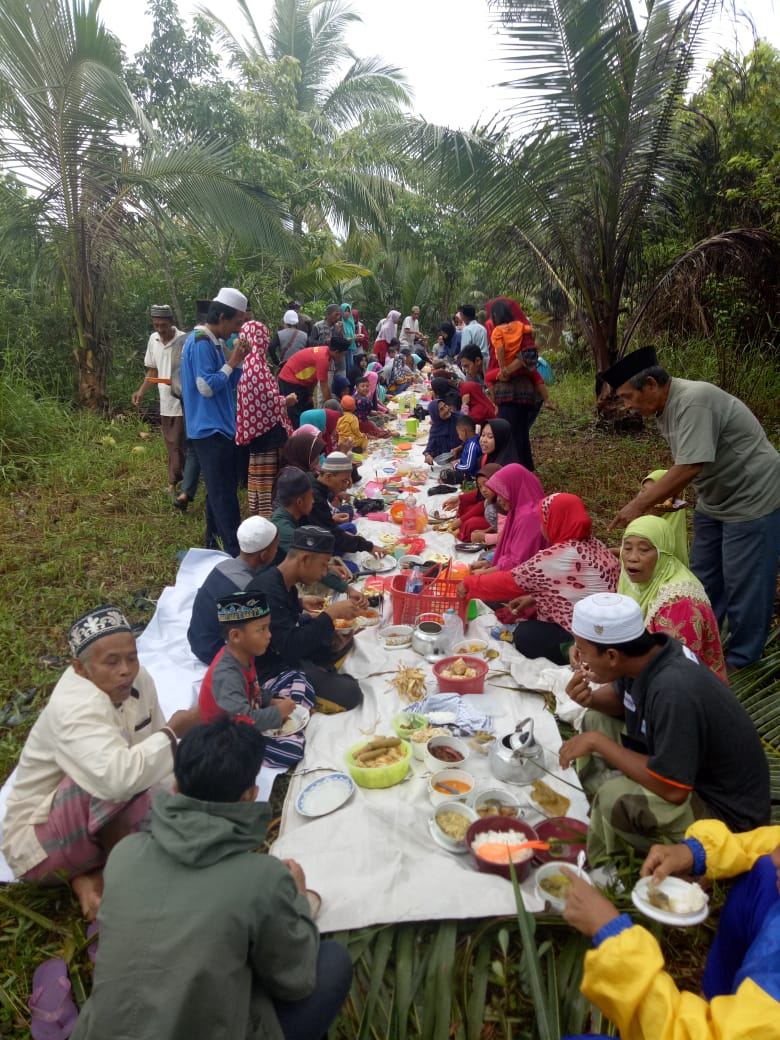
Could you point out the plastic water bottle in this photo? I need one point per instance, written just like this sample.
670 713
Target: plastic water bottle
414 583
409 518
453 630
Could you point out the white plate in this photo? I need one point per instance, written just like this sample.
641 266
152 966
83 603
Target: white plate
379 566
672 886
437 838
297 720
325 795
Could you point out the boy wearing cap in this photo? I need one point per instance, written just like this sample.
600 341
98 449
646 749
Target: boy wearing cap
348 435
201 936
334 478
689 750
86 768
721 449
208 382
230 686
258 542
299 640
295 496
165 344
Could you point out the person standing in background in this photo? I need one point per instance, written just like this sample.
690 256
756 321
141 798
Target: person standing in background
160 349
208 383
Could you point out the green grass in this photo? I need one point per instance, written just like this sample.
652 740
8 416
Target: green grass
84 519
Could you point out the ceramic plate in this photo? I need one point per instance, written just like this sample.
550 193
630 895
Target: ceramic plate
294 723
469 547
438 839
672 886
325 795
379 566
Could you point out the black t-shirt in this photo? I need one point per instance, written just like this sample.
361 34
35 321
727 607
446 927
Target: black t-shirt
698 736
295 636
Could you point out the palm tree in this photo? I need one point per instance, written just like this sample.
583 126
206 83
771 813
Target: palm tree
593 155
311 100
63 108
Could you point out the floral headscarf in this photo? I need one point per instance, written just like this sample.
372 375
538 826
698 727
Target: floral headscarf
259 405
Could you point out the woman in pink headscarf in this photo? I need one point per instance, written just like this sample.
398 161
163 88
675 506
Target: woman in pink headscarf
518 494
387 331
261 418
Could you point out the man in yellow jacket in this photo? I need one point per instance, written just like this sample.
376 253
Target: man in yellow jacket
625 977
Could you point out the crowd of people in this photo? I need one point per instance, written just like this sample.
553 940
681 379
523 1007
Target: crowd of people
666 753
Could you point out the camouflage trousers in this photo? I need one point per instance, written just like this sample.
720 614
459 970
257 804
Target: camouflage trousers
623 813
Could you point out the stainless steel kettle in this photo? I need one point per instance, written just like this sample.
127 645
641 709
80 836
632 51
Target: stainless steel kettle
516 758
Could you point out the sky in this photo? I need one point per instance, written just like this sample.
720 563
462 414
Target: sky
448 48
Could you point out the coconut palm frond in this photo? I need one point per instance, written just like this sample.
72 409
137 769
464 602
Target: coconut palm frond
369 85
748 252
757 687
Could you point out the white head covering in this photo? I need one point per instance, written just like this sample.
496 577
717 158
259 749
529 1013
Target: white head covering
255 534
607 618
232 298
291 318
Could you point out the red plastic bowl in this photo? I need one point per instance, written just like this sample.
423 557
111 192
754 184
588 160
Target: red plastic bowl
563 829
474 684
501 823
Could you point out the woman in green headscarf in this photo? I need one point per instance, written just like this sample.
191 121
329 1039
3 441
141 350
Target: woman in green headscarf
672 598
675 518
348 327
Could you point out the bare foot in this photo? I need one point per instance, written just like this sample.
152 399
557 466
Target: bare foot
89 889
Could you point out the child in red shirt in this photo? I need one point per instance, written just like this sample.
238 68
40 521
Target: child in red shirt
230 686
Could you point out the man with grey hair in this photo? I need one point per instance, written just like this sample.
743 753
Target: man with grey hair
84 776
323 330
720 448
163 352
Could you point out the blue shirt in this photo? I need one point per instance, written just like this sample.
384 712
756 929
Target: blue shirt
207 390
470 458
476 334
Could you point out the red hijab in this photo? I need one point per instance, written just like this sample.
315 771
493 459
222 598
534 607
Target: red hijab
481 408
564 518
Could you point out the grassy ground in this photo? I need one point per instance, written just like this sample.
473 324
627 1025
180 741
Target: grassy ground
91 523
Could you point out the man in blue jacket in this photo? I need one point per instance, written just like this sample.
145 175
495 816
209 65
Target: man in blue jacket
208 380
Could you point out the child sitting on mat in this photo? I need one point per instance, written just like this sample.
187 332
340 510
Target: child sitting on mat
230 686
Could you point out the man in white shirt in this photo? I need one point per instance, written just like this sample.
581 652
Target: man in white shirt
162 351
84 776
410 330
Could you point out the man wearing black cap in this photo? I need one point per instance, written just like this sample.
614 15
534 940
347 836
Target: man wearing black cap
312 644
720 448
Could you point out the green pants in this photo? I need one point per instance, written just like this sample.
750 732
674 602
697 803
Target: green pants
622 811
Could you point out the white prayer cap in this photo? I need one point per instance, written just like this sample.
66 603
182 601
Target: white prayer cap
291 318
255 534
608 618
232 298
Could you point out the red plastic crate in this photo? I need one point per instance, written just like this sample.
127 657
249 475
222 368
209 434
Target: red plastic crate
437 597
